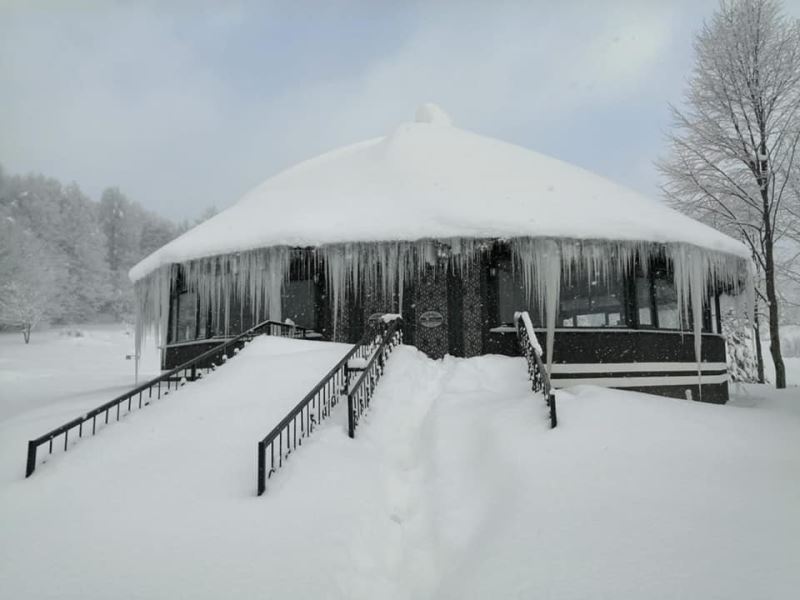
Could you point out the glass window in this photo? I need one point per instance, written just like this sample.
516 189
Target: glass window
511 296
240 318
203 325
187 317
644 301
300 302
666 304
592 303
172 333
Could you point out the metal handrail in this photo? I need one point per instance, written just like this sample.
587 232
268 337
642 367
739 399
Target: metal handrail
315 407
537 373
360 393
188 371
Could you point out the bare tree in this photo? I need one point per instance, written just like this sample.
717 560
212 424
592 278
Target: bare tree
734 147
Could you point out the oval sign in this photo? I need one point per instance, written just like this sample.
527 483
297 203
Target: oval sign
431 318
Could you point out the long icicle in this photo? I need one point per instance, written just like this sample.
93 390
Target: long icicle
257 276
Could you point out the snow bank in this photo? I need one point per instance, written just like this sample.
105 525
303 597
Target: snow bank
427 179
454 488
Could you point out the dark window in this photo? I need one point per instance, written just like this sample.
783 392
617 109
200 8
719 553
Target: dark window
300 302
666 303
183 312
511 296
187 317
645 296
595 303
241 315
665 299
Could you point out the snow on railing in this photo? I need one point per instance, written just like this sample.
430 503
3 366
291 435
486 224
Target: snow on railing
142 395
360 393
532 351
274 450
526 320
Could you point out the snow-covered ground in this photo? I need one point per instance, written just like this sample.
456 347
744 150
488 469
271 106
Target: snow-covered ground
454 488
61 373
790 343
66 364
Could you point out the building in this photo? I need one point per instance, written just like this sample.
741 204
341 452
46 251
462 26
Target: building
456 232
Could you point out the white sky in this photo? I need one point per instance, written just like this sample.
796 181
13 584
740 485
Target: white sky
184 105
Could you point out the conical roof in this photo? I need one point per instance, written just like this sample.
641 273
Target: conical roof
429 179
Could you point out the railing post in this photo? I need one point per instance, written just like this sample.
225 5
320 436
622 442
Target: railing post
262 468
553 417
351 416
30 466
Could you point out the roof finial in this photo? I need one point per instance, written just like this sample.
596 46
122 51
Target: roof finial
433 114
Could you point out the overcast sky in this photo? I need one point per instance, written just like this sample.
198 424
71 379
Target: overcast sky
186 105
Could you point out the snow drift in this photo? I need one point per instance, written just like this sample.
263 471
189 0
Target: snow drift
455 487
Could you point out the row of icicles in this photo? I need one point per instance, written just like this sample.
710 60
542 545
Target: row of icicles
349 268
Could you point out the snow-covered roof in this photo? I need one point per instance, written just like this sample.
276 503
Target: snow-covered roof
429 179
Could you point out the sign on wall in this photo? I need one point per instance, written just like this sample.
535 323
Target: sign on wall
431 319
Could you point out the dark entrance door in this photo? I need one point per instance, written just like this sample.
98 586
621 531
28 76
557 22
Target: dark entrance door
439 313
455 315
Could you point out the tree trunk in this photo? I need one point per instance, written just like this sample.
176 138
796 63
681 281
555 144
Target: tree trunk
769 266
759 350
26 333
772 298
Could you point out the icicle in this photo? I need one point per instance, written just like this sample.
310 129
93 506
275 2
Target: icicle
540 264
691 285
257 276
152 305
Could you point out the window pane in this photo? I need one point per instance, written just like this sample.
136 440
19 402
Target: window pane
511 296
299 303
643 301
203 325
239 317
172 334
187 317
592 304
667 305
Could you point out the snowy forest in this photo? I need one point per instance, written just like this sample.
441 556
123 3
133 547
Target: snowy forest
64 258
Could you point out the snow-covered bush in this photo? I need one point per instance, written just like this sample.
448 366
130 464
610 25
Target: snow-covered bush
739 336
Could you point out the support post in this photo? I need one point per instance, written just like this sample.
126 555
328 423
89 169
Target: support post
351 416
262 468
30 465
553 416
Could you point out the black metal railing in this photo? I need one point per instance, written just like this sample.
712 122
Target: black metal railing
275 449
155 388
360 392
537 373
